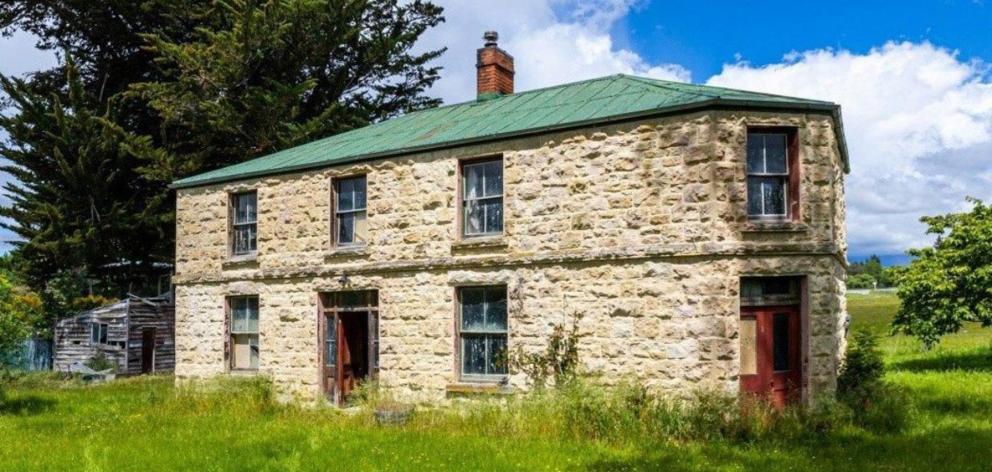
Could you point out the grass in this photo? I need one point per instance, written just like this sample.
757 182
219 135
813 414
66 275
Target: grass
147 424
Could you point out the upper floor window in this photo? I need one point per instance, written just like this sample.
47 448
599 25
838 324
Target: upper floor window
244 332
772 181
482 198
244 233
349 211
482 332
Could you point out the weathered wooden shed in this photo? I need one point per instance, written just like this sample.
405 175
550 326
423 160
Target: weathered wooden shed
137 333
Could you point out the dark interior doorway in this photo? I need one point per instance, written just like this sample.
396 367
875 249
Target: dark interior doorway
349 342
147 350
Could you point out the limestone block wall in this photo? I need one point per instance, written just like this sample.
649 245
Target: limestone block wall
641 226
670 324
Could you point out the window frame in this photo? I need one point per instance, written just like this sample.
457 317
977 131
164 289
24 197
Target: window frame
231 333
232 226
462 165
100 331
460 343
791 174
335 183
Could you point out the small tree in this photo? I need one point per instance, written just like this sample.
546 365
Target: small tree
559 362
950 283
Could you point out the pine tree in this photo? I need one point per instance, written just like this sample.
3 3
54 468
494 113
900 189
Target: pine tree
77 201
161 89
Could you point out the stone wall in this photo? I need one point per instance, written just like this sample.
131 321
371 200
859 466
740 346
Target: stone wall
641 226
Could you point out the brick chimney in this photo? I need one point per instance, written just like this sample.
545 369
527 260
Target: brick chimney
495 69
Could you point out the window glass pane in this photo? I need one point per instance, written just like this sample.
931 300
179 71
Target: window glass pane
496 309
493 182
331 343
474 354
755 153
245 208
474 217
749 347
346 194
359 183
496 362
473 308
253 351
473 181
775 153
346 228
774 195
353 299
493 210
244 239
780 341
754 206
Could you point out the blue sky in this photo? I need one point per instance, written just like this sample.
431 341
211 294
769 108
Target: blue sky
702 36
913 78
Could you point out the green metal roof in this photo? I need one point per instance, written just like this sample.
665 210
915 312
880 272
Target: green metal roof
579 104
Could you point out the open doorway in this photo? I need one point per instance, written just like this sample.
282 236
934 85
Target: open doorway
349 340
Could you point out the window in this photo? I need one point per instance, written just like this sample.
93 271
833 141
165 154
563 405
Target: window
349 211
244 223
763 291
482 332
482 198
98 333
244 332
772 184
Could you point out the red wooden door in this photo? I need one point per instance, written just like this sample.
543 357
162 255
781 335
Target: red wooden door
770 353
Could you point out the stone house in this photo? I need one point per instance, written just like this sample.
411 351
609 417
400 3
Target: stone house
699 231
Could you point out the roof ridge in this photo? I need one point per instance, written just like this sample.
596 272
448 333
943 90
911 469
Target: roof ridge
664 84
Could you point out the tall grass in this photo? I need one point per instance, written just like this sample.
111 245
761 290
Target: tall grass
630 415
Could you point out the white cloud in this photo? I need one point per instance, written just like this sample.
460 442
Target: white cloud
918 120
548 47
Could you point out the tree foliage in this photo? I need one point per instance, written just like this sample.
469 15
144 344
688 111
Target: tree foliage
950 283
149 91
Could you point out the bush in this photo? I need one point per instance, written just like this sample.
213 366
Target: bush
875 404
558 363
100 362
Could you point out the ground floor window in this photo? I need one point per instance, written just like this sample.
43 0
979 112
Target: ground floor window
244 332
98 333
482 332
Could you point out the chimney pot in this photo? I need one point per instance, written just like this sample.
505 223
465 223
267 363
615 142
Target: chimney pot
494 69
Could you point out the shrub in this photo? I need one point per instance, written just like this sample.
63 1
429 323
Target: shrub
875 404
559 362
100 362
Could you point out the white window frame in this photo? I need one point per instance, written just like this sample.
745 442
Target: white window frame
465 200
338 211
232 332
236 225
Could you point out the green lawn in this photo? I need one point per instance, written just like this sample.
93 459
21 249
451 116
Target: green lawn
145 424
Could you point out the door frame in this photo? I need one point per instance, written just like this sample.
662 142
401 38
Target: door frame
800 303
328 310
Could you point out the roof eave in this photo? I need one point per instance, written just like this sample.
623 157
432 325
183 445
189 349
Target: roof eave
716 103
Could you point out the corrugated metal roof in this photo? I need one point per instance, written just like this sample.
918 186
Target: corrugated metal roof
585 103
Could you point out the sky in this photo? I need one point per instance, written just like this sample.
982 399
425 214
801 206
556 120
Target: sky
913 79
